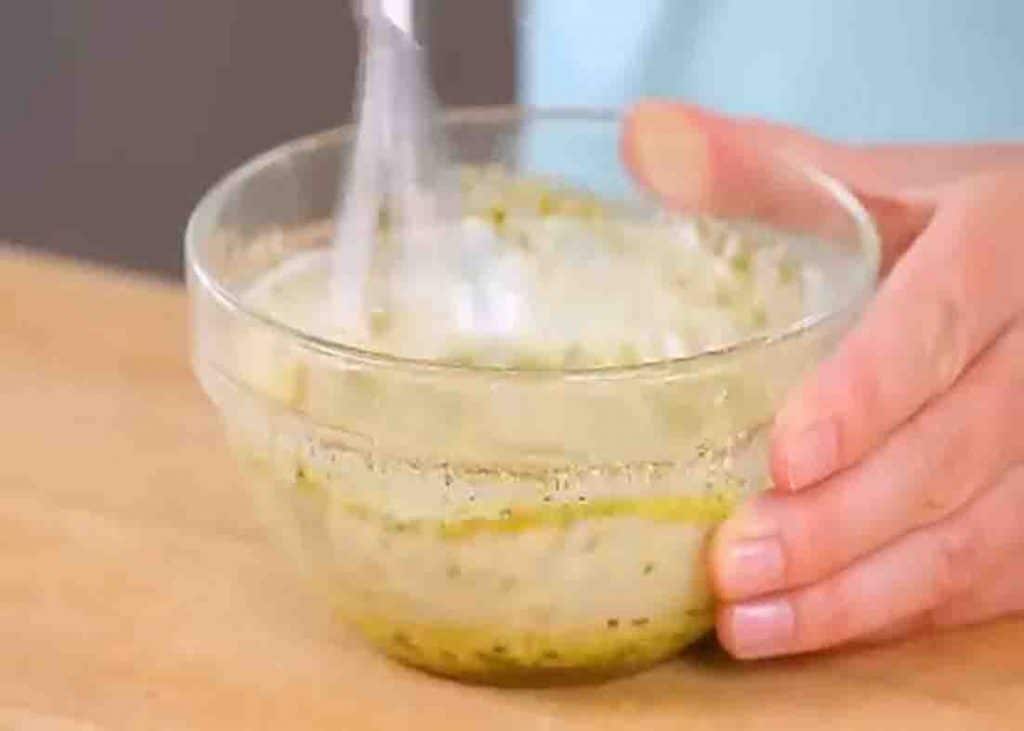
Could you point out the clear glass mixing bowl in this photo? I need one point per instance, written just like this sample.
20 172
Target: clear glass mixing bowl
505 526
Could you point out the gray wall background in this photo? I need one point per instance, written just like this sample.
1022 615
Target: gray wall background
115 115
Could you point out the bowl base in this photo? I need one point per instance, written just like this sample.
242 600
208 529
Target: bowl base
504 657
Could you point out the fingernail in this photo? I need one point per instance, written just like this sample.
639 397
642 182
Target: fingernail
749 568
811 455
748 557
669 152
761 629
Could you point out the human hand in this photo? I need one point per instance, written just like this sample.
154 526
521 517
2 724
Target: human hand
899 464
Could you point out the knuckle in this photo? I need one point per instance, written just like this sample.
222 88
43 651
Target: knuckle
955 563
960 449
946 344
936 502
944 484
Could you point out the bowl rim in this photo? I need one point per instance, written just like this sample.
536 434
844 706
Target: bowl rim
660 369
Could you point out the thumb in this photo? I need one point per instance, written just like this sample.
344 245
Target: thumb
700 162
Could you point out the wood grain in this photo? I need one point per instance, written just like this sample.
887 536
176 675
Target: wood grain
137 591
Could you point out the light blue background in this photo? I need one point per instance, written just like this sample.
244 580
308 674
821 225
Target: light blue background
871 70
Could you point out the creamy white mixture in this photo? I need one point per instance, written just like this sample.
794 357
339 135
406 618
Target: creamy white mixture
539 276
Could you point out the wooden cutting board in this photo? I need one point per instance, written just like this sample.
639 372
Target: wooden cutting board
137 590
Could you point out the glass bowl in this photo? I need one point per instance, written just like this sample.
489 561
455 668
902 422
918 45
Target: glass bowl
502 525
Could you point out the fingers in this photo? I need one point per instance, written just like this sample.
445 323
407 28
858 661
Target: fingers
998 593
879 168
922 571
699 162
943 302
955 447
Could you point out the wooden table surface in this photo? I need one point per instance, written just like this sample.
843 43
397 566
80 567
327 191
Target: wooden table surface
137 591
